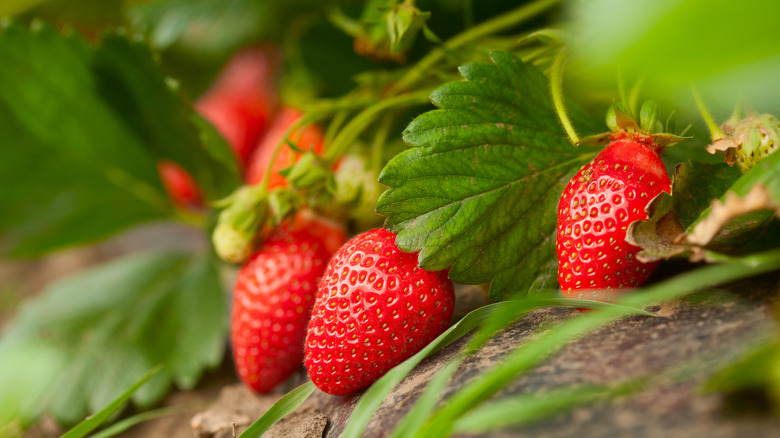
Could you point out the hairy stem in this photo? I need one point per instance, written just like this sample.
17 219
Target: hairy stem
495 25
556 90
715 131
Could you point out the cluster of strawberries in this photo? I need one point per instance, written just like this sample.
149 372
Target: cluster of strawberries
350 312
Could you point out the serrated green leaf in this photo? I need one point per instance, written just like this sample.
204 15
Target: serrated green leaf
479 189
691 196
766 174
94 333
82 129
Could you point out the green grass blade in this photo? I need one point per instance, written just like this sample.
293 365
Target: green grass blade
373 397
526 408
127 423
92 422
284 406
427 401
533 352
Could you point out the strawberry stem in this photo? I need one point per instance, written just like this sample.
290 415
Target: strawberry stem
358 123
303 121
495 25
556 90
715 131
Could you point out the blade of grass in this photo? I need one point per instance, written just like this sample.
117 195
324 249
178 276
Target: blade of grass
526 408
533 352
284 406
93 421
427 401
372 398
127 423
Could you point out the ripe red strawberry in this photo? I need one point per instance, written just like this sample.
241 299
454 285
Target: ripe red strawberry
309 139
272 300
595 210
243 99
180 185
375 308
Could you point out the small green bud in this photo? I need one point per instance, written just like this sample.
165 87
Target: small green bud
239 225
756 136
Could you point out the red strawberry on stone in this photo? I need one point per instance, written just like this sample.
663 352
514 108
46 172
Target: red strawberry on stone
595 210
375 308
272 300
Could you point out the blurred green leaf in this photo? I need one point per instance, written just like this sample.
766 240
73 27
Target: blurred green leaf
480 186
94 421
730 49
691 197
82 128
757 369
90 336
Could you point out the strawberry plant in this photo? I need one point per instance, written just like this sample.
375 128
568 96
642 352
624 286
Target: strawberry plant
186 146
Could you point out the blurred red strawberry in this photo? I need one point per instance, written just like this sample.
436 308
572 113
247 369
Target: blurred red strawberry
180 185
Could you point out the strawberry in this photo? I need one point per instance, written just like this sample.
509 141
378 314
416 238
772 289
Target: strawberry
309 139
374 308
243 98
597 206
181 187
272 299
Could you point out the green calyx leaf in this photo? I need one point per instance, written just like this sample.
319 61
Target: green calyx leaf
479 188
309 171
648 117
239 226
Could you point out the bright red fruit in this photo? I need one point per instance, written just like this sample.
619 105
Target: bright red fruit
309 139
180 185
272 300
375 308
243 98
595 210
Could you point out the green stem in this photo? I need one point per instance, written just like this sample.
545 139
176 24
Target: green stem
495 25
556 90
377 149
303 121
359 122
715 131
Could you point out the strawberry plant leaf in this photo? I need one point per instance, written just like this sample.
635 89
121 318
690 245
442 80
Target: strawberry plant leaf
479 188
691 197
83 129
93 421
90 336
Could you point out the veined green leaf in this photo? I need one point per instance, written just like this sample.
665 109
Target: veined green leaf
82 128
479 189
94 421
91 335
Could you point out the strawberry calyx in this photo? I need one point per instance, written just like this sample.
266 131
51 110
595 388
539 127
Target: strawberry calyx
623 126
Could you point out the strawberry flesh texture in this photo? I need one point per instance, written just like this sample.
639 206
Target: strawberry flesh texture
272 300
375 308
595 210
308 139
